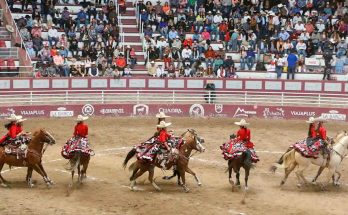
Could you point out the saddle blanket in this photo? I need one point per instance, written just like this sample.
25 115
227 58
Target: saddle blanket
76 144
17 150
234 149
309 148
148 150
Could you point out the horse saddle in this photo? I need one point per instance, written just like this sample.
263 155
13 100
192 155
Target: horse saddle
18 150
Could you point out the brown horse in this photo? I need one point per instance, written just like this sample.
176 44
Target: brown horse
191 142
33 158
79 159
235 165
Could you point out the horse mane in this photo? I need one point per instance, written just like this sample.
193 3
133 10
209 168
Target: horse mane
339 136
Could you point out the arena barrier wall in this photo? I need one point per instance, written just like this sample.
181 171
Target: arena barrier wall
38 84
177 110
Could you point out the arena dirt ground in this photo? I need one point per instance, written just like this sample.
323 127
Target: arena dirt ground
106 191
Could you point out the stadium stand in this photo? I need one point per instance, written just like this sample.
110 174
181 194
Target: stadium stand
191 38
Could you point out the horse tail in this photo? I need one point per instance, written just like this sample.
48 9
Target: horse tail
74 162
130 154
285 160
132 166
279 162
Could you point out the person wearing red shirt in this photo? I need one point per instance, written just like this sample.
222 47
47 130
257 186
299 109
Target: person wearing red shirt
321 134
11 128
81 129
79 142
24 137
243 136
163 138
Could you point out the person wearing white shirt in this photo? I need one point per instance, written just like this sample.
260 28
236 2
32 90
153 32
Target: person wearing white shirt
186 53
279 63
53 35
296 19
218 18
127 71
161 45
187 71
299 26
320 26
221 72
301 48
160 73
93 71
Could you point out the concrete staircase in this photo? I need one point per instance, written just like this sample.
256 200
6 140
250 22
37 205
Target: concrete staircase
132 37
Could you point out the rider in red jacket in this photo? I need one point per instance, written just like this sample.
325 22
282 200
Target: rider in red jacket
243 134
11 128
164 136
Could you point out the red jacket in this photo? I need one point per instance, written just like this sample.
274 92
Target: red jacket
243 134
163 136
12 130
81 130
312 131
19 129
321 133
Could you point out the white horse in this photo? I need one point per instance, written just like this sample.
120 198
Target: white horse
293 159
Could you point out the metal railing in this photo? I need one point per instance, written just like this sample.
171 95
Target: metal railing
140 25
173 97
121 35
17 33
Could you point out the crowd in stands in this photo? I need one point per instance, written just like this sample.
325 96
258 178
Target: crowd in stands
182 34
252 28
87 45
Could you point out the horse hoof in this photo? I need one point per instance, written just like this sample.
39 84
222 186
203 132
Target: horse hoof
337 184
4 185
231 181
186 190
31 185
200 184
299 185
165 178
282 183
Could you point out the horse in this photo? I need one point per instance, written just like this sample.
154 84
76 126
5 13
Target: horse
191 142
292 159
320 170
79 159
33 157
235 165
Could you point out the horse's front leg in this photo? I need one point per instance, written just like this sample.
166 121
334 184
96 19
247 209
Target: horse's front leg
38 170
320 170
188 170
28 178
151 174
44 172
182 175
237 176
3 182
230 173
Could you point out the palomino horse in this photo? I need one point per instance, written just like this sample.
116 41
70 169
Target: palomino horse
292 159
32 159
192 142
335 180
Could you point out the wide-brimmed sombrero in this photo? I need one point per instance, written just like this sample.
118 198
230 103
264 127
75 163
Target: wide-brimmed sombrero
12 118
161 115
163 124
20 118
310 120
242 122
81 118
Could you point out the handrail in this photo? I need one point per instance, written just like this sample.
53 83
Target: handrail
174 96
17 33
121 39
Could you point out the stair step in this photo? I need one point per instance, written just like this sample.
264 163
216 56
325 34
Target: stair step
129 21
132 39
130 30
139 67
128 13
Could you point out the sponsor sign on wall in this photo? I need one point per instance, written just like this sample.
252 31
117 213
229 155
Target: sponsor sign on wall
177 110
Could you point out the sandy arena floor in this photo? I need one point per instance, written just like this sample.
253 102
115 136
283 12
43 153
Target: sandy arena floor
106 190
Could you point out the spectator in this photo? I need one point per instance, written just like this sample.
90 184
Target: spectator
53 35
279 63
121 63
127 71
250 57
93 71
45 54
160 73
292 62
151 70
